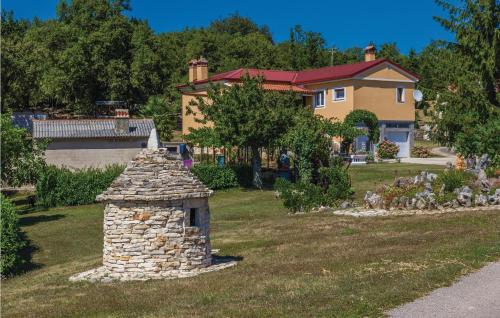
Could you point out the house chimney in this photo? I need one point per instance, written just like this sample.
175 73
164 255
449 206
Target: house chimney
192 70
370 51
201 69
198 70
121 121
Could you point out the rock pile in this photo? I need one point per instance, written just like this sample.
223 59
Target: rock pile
427 199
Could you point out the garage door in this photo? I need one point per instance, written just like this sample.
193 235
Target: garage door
400 139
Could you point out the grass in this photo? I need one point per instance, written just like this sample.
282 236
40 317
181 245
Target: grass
315 265
368 177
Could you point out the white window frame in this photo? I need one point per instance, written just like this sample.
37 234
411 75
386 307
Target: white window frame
324 98
403 99
334 95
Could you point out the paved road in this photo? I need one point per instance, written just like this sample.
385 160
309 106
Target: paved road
473 296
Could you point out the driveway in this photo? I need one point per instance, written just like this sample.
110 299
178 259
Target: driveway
429 161
476 295
445 157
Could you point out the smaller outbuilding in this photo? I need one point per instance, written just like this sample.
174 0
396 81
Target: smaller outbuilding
156 222
94 142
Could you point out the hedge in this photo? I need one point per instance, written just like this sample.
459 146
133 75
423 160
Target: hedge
12 239
215 177
61 186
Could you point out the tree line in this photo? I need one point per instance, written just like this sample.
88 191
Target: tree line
93 51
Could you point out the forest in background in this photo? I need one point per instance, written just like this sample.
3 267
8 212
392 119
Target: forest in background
92 51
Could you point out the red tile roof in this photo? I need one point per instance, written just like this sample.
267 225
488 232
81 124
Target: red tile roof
335 72
302 77
269 75
285 88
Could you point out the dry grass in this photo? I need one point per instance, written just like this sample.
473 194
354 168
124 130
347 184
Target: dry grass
293 266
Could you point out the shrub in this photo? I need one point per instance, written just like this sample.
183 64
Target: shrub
493 171
389 192
216 177
21 157
61 186
299 196
421 152
370 157
244 174
12 239
453 179
337 183
303 196
387 150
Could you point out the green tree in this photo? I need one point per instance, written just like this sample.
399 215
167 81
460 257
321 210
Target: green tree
469 108
250 51
437 67
15 84
236 24
165 114
390 51
22 158
247 116
477 31
308 142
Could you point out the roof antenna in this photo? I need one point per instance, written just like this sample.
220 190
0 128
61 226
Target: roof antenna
331 55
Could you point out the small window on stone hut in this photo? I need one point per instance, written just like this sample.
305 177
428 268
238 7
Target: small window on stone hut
194 217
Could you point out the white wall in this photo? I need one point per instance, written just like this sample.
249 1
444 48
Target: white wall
87 152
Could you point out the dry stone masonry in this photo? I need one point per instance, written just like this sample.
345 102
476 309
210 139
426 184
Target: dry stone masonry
156 223
486 196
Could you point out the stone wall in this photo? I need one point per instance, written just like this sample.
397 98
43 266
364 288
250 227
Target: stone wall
154 239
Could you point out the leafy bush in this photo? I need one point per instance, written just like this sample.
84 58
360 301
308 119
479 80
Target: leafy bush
12 239
299 197
445 197
244 174
303 196
421 152
387 150
453 179
21 157
389 192
337 183
493 171
61 186
216 177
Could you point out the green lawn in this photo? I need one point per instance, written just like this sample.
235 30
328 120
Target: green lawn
293 266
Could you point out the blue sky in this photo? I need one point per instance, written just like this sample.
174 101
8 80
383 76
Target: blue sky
342 23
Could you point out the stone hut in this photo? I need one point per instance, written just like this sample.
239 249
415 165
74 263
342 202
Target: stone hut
156 222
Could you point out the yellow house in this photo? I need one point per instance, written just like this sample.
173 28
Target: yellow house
377 85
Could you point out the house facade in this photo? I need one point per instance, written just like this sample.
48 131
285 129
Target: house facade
84 143
376 85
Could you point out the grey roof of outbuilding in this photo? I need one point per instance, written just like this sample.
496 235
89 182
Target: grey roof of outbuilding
155 175
89 128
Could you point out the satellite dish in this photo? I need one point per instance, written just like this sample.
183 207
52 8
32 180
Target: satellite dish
417 95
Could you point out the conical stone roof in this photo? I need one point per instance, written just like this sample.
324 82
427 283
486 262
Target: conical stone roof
155 175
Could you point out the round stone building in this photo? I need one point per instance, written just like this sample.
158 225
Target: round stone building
156 222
